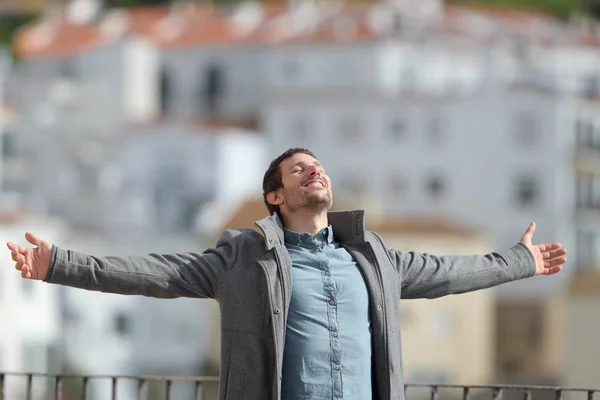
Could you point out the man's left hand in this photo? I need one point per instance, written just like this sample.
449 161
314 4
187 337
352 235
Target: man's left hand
549 258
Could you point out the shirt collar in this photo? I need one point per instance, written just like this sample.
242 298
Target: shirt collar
325 235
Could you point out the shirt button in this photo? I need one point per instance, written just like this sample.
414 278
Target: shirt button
334 334
326 273
338 366
332 301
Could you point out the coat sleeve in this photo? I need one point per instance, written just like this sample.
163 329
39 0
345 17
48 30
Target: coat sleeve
424 275
154 275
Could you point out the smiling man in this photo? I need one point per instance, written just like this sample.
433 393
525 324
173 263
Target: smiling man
308 306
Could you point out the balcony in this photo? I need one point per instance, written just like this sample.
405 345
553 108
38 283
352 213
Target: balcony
432 391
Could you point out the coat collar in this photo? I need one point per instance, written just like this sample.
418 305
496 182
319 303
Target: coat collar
348 226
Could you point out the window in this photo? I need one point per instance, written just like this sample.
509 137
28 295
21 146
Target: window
527 128
586 249
590 86
9 144
527 191
166 90
213 85
68 69
435 186
122 324
584 191
397 22
585 133
397 129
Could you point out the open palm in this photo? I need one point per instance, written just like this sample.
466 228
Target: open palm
549 258
32 262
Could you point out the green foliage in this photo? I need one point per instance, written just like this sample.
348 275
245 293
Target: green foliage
9 24
129 3
558 8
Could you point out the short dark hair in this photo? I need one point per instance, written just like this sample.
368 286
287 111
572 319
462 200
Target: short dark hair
272 179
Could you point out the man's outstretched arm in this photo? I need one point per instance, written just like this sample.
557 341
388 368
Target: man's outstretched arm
153 275
429 276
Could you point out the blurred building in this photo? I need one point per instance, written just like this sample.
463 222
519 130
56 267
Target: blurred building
583 327
30 313
151 120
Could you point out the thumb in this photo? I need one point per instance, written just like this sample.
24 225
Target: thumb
33 239
528 235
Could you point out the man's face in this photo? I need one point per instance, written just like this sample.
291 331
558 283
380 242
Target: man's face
305 185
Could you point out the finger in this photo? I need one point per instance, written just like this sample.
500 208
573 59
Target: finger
33 239
20 265
15 247
548 246
528 235
26 272
555 262
19 258
552 271
554 254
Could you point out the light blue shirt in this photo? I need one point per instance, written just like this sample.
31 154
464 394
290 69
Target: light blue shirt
327 353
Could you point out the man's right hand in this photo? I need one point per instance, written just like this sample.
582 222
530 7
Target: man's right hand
33 263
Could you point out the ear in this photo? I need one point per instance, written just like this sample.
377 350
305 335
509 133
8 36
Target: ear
275 198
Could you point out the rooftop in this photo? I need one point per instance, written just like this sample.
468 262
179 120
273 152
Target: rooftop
200 24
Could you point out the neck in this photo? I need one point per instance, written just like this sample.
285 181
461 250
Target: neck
304 221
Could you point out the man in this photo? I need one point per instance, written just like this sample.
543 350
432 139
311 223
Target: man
308 307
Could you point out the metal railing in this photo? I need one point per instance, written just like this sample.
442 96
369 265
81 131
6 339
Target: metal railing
53 388
52 385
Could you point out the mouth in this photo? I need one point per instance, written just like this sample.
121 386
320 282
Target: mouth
315 183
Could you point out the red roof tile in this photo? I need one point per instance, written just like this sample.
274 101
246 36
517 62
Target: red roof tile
55 38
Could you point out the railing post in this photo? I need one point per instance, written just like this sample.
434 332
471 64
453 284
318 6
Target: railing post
497 394
2 387
527 395
84 388
142 386
196 390
58 387
591 395
558 395
434 393
168 390
465 393
29 385
114 388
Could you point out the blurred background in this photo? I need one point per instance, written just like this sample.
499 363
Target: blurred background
136 126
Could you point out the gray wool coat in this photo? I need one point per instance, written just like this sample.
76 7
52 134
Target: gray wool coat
249 274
